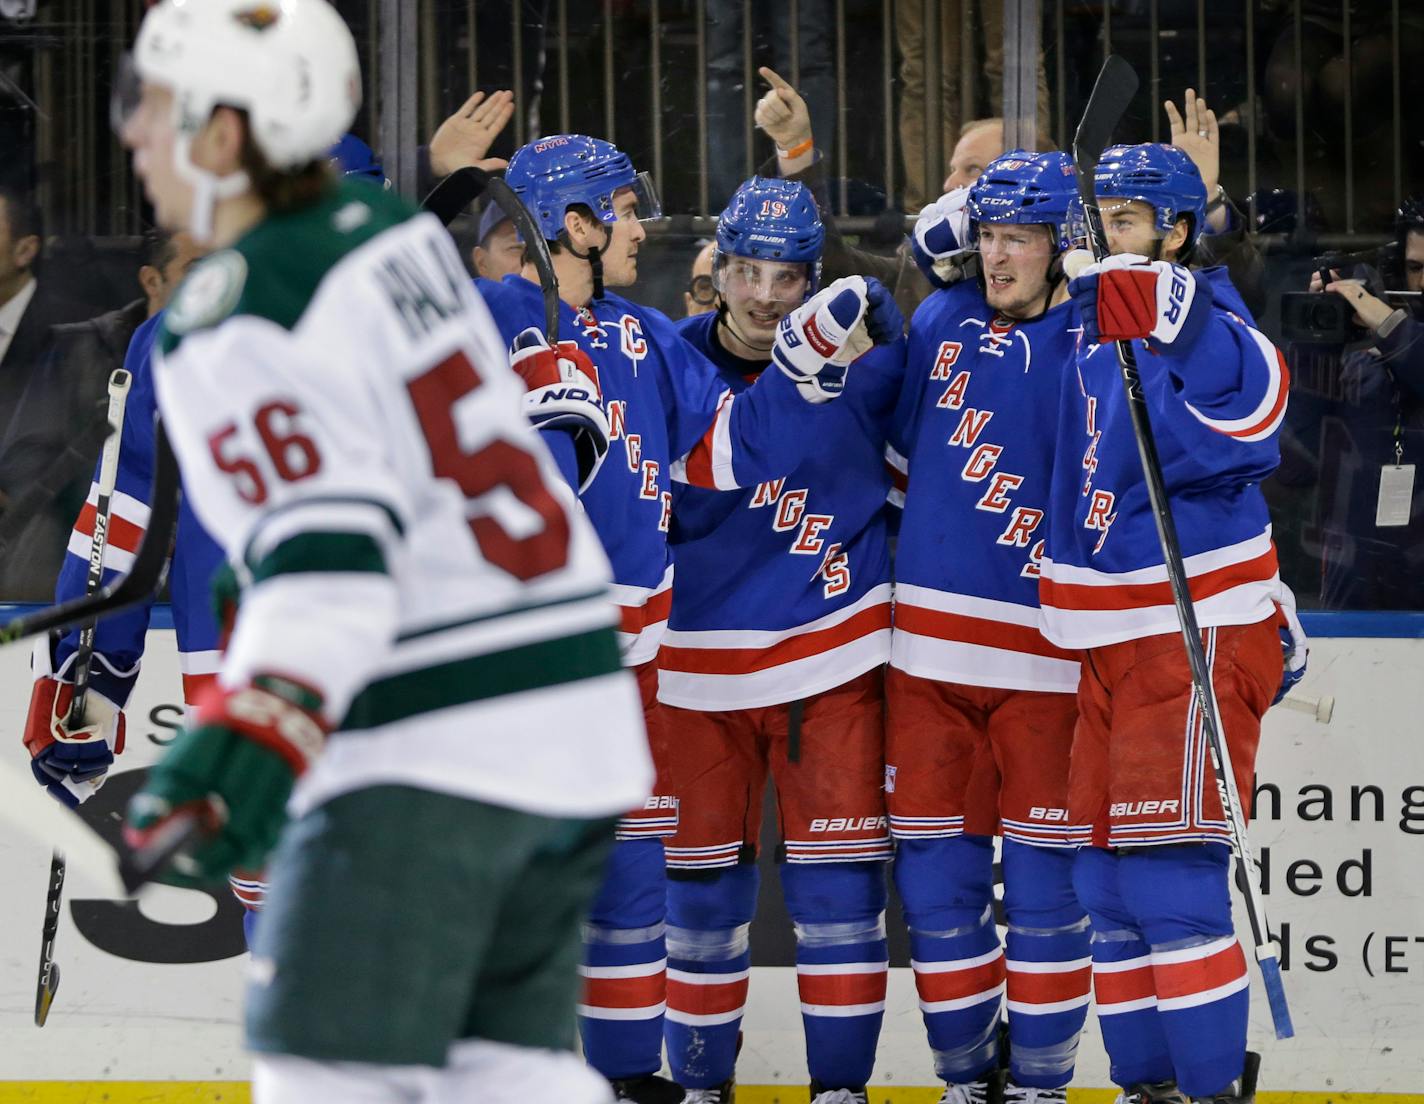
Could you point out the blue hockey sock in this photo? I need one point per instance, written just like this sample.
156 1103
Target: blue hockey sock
1049 964
1122 975
842 963
947 887
1181 898
625 964
709 964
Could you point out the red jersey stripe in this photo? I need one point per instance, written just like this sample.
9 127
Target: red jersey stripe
123 533
976 630
634 619
1077 596
739 661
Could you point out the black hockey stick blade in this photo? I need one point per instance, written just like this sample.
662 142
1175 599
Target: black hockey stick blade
538 248
1112 92
143 578
70 465
456 192
48 982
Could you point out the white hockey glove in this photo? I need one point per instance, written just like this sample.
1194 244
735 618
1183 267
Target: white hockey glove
940 239
562 393
1295 648
815 342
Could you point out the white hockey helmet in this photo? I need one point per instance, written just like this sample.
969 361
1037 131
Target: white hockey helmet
290 64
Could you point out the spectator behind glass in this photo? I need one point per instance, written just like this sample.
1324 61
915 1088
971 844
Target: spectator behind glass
910 37
1372 434
726 91
65 393
29 306
498 252
700 296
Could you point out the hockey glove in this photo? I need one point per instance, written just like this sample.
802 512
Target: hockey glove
70 762
1295 649
562 393
234 768
816 341
883 320
941 236
1127 296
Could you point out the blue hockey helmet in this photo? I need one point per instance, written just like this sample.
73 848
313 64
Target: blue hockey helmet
1161 176
353 157
769 219
560 171
1027 188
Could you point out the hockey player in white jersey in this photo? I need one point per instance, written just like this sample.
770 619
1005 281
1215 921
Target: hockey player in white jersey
421 667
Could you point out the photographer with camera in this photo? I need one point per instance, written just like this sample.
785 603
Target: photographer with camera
1372 509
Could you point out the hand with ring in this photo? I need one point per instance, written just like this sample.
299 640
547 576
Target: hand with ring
1194 132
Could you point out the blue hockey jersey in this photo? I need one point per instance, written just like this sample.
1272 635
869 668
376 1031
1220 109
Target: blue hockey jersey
975 427
783 589
671 419
1216 408
119 639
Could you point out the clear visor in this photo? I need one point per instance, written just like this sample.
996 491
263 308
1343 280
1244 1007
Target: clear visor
743 278
1015 239
646 204
1125 216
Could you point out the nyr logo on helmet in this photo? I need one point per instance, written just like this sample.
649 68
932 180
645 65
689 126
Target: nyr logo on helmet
774 208
550 143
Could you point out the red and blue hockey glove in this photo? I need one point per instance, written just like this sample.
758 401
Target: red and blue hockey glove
562 393
71 763
234 768
1295 649
817 341
883 320
940 239
1127 296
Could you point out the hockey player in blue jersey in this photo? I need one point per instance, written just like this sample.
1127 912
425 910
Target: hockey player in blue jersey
73 764
981 706
670 419
772 662
1169 975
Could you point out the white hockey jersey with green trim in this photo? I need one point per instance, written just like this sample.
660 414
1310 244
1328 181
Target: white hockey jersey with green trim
349 429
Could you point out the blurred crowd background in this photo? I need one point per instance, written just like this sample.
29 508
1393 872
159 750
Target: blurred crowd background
1319 129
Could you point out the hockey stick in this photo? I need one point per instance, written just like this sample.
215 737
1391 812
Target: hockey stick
119 383
461 188
1115 86
47 985
143 578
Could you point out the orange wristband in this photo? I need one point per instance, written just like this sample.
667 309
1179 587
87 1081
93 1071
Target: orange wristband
797 150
